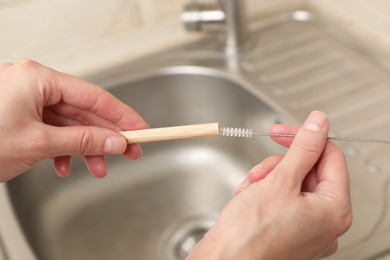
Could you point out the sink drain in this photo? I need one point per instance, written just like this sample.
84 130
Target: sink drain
179 239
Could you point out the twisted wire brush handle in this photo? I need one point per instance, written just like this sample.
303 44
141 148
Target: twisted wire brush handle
213 129
245 132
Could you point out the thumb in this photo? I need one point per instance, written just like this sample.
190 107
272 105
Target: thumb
84 140
304 151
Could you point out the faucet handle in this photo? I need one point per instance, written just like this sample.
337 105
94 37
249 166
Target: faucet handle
227 17
202 17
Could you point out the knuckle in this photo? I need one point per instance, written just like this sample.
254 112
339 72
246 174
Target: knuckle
32 68
341 221
307 147
336 152
5 65
86 142
33 71
26 63
345 223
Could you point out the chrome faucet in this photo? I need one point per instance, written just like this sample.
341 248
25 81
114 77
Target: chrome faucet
227 17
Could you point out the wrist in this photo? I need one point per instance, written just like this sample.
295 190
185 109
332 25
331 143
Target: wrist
207 248
223 246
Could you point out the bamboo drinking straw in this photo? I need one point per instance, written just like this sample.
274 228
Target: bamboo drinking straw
171 133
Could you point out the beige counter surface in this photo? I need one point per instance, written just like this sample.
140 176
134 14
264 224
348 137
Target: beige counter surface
367 20
72 36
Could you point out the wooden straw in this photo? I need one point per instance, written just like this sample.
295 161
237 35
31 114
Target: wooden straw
171 133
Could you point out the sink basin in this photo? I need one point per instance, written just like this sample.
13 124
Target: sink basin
159 206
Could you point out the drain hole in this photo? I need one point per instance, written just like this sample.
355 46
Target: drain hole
185 245
179 239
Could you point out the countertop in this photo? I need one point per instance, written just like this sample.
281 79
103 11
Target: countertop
366 20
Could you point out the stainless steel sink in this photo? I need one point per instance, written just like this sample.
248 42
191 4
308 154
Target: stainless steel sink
159 206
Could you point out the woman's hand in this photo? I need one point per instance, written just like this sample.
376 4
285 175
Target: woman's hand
290 207
48 114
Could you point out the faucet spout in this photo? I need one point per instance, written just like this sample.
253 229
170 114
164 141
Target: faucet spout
235 26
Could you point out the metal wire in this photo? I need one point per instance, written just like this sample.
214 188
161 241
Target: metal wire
248 133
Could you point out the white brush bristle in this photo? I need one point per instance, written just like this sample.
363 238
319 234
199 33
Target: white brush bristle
236 132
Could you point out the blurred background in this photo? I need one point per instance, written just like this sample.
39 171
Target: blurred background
80 36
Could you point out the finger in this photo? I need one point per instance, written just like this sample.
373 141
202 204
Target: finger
62 165
284 129
304 151
64 114
51 117
81 140
56 87
88 96
259 172
133 152
96 166
333 178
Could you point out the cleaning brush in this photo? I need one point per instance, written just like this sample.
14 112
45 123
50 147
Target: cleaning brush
214 129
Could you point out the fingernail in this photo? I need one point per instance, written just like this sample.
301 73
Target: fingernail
315 121
257 168
139 150
133 152
242 186
256 173
114 145
62 173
